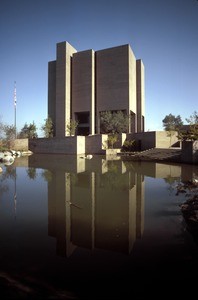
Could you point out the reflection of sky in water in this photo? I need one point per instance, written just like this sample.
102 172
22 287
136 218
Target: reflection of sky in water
31 195
23 225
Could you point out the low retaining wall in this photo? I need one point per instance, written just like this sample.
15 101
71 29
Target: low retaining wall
67 145
19 145
189 152
154 139
96 144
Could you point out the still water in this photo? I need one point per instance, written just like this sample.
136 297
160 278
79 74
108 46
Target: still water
72 228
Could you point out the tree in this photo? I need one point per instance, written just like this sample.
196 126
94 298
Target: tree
191 130
1 128
112 139
71 127
114 122
172 123
48 128
28 131
9 131
31 172
193 119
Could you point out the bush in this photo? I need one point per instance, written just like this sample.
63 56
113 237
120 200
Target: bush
112 139
128 146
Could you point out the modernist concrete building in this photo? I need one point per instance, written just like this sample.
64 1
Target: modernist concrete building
83 84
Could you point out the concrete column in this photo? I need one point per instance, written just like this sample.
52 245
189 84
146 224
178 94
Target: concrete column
140 95
63 87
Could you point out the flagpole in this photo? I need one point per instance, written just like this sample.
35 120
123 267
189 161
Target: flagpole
15 100
15 194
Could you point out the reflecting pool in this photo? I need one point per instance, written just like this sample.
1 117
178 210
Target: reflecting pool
73 228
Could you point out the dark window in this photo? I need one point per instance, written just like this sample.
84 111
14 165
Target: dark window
83 117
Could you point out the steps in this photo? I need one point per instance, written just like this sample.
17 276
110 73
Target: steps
156 154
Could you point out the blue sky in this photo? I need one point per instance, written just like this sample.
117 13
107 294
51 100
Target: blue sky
164 34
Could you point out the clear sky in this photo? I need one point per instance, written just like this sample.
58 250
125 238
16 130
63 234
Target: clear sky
163 33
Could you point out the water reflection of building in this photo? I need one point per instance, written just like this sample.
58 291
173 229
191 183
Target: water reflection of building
96 209
99 203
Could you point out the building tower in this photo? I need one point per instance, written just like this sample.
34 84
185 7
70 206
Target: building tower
83 84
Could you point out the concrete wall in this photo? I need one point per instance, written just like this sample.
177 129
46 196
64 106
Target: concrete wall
190 152
52 91
83 85
112 78
19 145
63 87
96 144
132 101
67 145
143 140
92 82
154 139
166 139
140 95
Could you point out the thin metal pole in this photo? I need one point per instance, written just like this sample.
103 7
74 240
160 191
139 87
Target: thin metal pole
15 101
15 194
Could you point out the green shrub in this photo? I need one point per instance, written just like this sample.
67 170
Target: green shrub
128 146
112 139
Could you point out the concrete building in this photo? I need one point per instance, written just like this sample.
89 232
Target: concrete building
83 84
